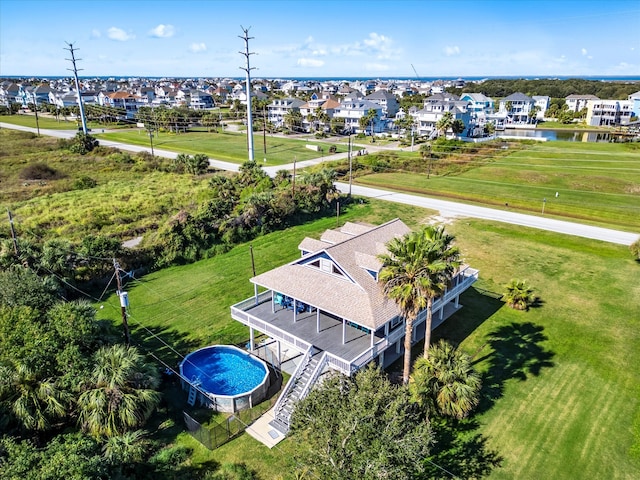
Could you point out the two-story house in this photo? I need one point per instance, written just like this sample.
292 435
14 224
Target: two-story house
575 103
329 308
386 100
352 109
609 112
278 109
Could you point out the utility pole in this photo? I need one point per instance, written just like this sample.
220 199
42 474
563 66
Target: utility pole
293 179
13 233
124 302
248 69
264 130
75 76
350 168
151 140
35 108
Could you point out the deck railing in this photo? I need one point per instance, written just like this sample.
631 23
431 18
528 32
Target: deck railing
314 375
292 381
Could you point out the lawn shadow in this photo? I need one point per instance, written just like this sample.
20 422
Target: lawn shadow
516 352
168 346
479 305
460 450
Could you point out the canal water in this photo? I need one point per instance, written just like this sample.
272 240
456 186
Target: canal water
564 135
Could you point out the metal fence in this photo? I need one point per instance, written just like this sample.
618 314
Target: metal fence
214 436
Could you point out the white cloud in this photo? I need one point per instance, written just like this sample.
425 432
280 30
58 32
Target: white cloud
584 51
163 31
198 47
451 50
590 57
310 62
115 33
95 33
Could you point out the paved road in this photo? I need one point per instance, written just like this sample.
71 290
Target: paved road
446 208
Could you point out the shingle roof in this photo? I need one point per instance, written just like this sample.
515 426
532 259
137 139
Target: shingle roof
356 296
517 97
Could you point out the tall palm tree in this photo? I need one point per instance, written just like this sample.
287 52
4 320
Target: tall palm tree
415 271
442 259
122 393
445 382
402 279
33 401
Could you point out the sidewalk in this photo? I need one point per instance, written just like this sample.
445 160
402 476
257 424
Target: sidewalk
263 432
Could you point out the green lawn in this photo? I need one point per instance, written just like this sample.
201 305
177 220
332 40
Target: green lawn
228 146
562 381
596 182
49 122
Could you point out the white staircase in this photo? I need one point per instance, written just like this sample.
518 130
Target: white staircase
297 388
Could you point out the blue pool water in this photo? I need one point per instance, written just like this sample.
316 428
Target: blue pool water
223 370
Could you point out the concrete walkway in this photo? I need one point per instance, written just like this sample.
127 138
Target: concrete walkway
263 432
446 208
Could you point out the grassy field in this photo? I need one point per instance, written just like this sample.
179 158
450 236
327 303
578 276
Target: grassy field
47 121
228 146
130 196
561 382
596 182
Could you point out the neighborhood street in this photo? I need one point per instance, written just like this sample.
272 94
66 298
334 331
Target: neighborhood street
446 208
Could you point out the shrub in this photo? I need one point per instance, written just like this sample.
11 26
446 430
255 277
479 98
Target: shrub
519 295
84 182
333 149
635 249
40 171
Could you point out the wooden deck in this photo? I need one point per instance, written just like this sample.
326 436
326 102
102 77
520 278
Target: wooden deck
329 338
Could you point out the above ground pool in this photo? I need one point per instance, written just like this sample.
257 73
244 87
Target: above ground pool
231 378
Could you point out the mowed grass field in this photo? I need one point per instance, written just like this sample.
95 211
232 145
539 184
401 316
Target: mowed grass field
228 146
561 394
596 182
48 121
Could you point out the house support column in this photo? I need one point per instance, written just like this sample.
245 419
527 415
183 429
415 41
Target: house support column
373 337
457 304
273 302
317 320
381 361
344 331
255 292
442 311
295 311
252 339
279 354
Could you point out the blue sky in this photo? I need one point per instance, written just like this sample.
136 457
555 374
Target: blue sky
327 38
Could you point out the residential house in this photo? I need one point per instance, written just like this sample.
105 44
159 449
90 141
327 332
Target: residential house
123 100
324 102
609 112
352 109
434 109
542 104
386 100
575 103
280 107
199 100
517 107
328 309
9 93
635 99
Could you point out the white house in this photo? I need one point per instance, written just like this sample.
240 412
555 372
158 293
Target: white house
575 103
328 309
280 107
609 112
351 110
517 107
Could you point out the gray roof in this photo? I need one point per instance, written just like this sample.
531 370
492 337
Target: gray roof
517 97
356 295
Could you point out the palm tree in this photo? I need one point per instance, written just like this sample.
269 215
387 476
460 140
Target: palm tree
122 393
441 259
518 294
416 270
33 401
445 382
293 119
445 123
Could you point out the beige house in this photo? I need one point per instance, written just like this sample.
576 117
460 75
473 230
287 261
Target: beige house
328 308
